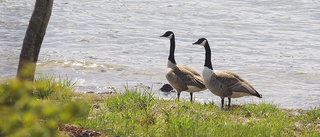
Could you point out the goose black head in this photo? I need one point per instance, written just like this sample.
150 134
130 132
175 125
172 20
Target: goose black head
168 34
201 41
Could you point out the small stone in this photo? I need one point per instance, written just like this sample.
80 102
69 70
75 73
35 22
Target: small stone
166 88
103 92
103 70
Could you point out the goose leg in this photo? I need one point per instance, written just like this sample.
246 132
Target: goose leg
191 97
178 95
222 102
229 102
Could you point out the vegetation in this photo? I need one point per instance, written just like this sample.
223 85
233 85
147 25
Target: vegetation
49 87
38 114
135 113
138 113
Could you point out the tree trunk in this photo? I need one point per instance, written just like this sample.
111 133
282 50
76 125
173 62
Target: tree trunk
33 39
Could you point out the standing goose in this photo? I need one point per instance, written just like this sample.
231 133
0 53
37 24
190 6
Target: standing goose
224 83
182 78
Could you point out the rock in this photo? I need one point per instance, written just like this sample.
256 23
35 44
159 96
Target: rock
167 88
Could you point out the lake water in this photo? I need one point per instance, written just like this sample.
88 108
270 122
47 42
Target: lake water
273 44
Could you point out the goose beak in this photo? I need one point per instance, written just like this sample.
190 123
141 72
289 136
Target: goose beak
198 42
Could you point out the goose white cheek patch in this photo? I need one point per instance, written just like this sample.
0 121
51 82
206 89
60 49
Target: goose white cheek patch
170 36
203 42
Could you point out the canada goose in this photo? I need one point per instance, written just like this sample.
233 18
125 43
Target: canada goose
224 83
182 78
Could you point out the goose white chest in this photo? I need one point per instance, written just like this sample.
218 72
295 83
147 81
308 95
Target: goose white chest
210 82
207 73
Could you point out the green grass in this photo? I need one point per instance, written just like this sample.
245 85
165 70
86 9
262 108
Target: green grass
36 109
137 113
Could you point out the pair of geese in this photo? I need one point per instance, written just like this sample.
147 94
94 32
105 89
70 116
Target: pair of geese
222 83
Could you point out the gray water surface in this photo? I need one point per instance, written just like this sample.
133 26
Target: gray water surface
273 44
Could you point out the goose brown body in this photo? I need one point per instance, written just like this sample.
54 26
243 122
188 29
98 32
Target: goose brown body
228 84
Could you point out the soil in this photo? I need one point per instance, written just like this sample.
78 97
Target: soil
74 131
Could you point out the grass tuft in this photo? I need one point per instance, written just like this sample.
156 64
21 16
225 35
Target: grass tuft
49 87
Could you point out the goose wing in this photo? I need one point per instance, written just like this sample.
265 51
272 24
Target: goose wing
190 78
240 79
195 78
235 83
191 70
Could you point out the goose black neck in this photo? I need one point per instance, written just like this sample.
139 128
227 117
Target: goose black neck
208 56
172 47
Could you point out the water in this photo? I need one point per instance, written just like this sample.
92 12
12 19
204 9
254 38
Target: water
273 44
